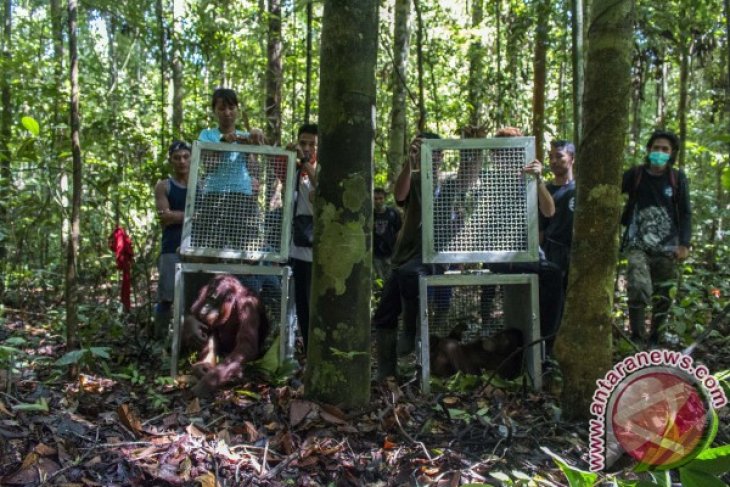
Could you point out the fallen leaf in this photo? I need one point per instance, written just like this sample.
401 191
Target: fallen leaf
298 410
193 407
207 480
129 419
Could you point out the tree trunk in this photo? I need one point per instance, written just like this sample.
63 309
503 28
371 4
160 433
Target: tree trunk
661 92
637 96
178 91
398 123
308 72
578 16
476 67
587 322
71 289
338 368
499 116
6 120
273 74
162 48
421 124
683 96
58 113
540 68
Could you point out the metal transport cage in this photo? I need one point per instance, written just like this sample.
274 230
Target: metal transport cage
479 207
476 306
239 202
273 284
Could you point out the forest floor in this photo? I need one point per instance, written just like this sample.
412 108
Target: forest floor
123 422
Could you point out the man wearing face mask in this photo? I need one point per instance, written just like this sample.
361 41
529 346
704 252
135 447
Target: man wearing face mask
658 218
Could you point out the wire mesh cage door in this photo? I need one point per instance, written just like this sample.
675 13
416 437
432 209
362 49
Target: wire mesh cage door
475 306
239 202
273 284
477 204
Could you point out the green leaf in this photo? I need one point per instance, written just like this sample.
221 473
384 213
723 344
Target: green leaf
31 125
576 477
40 405
694 478
102 352
72 357
713 461
15 341
270 361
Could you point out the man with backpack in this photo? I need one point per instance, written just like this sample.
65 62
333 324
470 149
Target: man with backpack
658 220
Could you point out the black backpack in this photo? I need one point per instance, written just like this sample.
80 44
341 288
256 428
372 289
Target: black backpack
631 203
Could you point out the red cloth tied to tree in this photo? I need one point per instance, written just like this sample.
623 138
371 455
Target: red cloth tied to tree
121 244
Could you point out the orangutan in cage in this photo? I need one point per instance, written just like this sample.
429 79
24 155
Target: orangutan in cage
229 320
448 355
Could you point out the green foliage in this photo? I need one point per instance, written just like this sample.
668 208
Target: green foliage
85 357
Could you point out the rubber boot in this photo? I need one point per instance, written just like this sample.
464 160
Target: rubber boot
657 323
407 339
386 353
162 324
637 320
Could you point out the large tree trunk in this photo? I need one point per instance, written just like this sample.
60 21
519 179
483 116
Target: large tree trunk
338 368
398 124
540 68
475 86
177 71
587 322
273 74
577 32
6 119
71 290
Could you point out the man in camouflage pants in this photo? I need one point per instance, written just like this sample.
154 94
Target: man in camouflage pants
657 217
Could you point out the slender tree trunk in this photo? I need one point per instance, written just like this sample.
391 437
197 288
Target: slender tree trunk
273 74
113 103
476 66
661 92
73 243
338 368
578 16
59 103
499 118
397 136
178 90
587 323
637 96
308 72
683 97
6 120
162 48
540 68
419 59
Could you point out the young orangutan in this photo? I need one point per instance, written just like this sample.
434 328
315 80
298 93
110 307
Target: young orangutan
226 319
449 356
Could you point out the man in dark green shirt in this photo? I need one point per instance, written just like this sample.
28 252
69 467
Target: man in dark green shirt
400 292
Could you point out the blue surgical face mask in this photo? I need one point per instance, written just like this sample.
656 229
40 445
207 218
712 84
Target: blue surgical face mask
658 159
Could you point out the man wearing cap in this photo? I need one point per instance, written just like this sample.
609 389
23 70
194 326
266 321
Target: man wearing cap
658 220
170 194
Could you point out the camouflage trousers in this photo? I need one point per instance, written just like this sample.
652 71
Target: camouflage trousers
650 279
